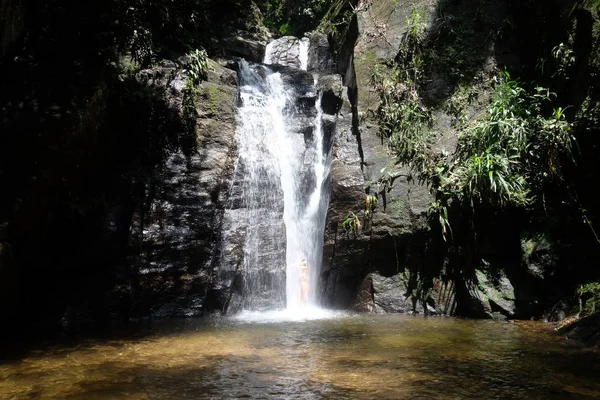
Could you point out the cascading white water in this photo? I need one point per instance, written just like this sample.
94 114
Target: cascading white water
258 217
305 222
302 53
282 156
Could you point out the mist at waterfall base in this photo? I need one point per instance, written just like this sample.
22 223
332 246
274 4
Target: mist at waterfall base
283 161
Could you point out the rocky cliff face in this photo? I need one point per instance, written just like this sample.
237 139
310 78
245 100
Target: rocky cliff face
363 166
395 261
176 225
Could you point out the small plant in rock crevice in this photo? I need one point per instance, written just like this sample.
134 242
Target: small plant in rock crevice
351 224
370 204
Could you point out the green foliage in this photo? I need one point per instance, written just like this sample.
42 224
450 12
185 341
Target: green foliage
189 113
409 60
197 66
403 120
565 59
351 224
406 124
588 115
456 105
506 158
440 210
457 44
295 17
592 4
147 27
589 297
338 16
284 30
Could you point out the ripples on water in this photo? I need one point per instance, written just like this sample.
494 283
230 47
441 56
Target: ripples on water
283 355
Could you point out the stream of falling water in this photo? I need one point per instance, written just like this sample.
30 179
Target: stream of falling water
283 157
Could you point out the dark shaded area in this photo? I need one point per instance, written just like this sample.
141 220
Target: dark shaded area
567 211
457 47
82 141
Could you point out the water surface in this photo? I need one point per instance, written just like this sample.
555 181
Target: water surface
333 356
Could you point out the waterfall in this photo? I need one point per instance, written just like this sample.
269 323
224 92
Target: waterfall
305 222
282 180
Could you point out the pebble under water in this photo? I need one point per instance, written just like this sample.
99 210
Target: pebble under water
332 356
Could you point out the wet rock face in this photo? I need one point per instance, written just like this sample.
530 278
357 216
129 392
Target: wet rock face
394 237
175 229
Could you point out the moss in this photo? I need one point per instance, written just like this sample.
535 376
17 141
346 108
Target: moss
396 206
365 65
212 97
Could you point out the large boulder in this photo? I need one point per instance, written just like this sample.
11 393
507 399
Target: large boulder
382 294
288 51
489 295
319 53
586 330
243 33
239 46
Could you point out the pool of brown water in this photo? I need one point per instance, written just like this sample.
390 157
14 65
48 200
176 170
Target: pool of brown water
339 357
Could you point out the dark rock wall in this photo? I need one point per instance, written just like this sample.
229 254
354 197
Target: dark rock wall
397 247
114 182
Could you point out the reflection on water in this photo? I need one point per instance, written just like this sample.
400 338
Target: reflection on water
344 357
